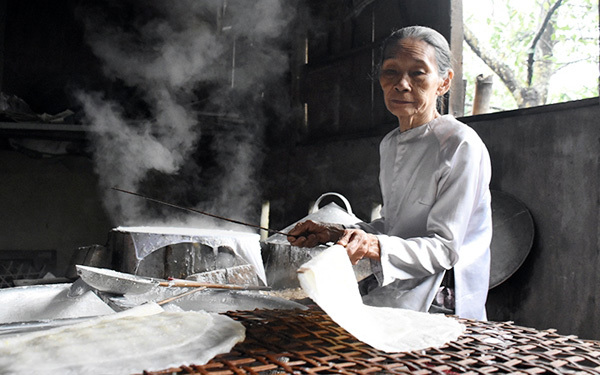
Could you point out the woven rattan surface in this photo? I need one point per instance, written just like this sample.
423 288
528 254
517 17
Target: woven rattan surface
309 342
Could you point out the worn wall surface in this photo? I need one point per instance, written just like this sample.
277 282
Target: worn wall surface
546 157
549 159
50 204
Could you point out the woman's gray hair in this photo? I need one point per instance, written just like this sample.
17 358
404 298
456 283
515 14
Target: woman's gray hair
430 36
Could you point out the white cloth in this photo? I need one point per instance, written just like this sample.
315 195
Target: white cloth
149 239
436 215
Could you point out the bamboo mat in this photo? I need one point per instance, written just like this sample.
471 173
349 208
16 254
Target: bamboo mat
309 342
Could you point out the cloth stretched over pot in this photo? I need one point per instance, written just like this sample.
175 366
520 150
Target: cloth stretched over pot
148 239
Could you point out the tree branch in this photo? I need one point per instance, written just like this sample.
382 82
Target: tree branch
530 58
501 69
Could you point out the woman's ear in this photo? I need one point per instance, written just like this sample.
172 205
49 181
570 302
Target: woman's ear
445 84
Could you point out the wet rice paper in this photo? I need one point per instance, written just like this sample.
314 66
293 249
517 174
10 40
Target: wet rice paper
144 338
329 281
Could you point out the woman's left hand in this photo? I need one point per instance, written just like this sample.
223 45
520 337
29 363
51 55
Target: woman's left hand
360 244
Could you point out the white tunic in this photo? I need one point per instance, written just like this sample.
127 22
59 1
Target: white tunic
436 215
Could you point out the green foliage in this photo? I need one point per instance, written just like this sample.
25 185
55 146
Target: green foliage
507 28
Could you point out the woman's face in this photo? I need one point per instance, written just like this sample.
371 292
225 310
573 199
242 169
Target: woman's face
411 83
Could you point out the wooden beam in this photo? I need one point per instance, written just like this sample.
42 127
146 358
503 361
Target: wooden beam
2 37
456 105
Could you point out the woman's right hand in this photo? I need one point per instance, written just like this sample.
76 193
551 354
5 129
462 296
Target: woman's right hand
311 233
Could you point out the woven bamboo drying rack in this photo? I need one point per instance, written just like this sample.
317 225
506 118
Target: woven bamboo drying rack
309 342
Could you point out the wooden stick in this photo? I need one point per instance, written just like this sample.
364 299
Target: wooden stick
196 284
200 212
165 301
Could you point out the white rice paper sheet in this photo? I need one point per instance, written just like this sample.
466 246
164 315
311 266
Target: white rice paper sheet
328 279
143 338
246 245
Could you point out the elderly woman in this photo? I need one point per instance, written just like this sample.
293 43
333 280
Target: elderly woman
431 246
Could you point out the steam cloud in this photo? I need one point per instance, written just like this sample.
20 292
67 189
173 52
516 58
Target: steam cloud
179 62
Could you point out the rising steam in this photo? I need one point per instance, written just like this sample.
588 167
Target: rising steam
178 63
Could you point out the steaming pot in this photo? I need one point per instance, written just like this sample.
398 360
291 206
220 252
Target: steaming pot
282 259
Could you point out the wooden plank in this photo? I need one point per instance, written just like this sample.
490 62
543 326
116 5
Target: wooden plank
456 104
322 102
355 93
2 36
389 15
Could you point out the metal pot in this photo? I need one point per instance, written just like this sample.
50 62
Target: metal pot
282 259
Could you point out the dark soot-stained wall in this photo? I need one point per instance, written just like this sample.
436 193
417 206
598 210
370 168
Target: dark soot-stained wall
549 158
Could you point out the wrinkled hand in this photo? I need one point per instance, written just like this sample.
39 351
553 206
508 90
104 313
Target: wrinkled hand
360 244
311 233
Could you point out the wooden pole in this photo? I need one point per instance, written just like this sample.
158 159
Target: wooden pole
2 38
456 105
483 93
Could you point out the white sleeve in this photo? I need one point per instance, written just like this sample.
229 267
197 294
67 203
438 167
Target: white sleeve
375 227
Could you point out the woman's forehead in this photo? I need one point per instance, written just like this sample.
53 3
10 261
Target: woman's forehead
411 48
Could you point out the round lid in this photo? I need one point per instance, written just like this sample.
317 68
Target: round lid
512 236
331 213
